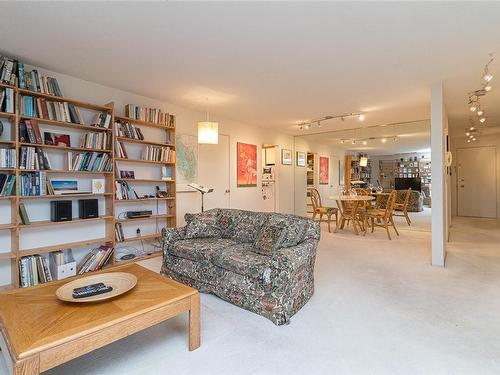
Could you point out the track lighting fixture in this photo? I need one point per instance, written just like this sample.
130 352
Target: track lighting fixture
480 112
482 120
468 141
472 128
365 143
307 126
473 107
488 77
487 88
353 141
383 140
361 117
342 117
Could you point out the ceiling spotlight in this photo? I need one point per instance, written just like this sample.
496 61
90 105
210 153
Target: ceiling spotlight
480 112
468 141
319 124
473 107
361 117
488 77
472 128
473 139
365 143
301 127
482 120
308 126
353 142
467 134
487 88
342 141
383 140
395 138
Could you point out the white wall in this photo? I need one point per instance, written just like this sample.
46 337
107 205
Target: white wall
460 141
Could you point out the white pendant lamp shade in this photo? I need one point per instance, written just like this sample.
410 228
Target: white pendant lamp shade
208 132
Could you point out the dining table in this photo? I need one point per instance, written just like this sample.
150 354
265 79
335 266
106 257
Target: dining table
349 214
379 198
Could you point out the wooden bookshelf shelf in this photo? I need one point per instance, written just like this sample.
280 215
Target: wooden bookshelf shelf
144 123
7 169
7 226
143 180
152 217
7 114
11 143
62 171
142 238
8 255
59 196
44 223
63 246
138 259
8 197
65 124
6 86
140 141
77 103
65 149
144 161
144 200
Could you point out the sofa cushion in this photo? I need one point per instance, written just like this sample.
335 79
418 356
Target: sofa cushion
246 225
226 220
269 239
295 227
243 260
202 225
199 249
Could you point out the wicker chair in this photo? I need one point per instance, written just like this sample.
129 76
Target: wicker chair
382 217
319 209
403 207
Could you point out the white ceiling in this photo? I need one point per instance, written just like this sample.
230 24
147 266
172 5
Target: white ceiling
270 64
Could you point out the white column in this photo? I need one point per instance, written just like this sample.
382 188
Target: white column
439 129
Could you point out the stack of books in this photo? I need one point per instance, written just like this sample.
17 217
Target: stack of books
127 130
124 191
98 141
49 110
8 70
36 82
34 270
34 158
102 120
7 158
35 184
119 236
7 100
94 260
120 150
153 115
29 132
7 184
158 153
89 161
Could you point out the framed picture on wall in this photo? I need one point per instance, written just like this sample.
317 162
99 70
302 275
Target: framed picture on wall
301 159
246 164
324 170
286 156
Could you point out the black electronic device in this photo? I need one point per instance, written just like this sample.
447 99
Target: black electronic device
61 211
138 214
91 290
88 208
161 193
406 183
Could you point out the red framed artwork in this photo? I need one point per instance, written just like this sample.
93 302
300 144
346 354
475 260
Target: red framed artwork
324 170
246 163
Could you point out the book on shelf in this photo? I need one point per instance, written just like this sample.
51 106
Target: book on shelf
8 70
23 214
94 260
102 120
158 153
124 191
152 115
120 150
42 108
35 184
89 161
34 270
127 130
29 132
34 81
7 157
34 158
119 236
7 100
7 184
98 141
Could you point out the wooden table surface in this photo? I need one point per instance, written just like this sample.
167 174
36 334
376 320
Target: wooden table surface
41 332
352 198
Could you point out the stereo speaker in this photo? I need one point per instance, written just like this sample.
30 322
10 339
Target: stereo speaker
88 208
61 211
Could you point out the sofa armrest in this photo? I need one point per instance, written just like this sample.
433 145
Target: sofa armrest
291 259
170 236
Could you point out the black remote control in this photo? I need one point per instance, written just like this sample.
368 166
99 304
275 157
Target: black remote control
92 292
92 286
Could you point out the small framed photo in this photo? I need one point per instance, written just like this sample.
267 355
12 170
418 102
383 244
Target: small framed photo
64 186
98 186
127 174
301 159
286 156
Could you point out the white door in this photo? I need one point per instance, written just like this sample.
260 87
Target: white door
213 173
476 182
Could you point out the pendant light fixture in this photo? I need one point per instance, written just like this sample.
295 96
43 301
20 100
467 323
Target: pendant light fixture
208 131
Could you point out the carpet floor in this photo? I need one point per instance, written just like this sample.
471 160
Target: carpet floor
379 308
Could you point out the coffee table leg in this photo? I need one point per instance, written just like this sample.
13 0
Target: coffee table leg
194 323
27 366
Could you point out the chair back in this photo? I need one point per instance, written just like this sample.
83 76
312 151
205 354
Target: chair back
407 199
391 201
362 191
315 199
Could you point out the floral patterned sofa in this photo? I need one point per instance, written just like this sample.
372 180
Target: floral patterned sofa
415 204
262 262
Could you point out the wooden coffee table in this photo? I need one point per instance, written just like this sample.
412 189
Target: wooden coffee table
40 332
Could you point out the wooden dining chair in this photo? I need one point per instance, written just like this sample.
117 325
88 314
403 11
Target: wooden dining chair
383 217
350 213
319 209
403 207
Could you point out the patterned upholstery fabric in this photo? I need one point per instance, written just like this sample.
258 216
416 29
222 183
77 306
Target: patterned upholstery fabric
415 204
269 239
275 286
204 224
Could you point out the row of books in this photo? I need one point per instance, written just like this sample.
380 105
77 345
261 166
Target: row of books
102 120
98 141
120 150
49 110
124 191
35 184
119 236
34 158
29 131
89 161
95 259
34 270
7 158
8 70
127 130
158 153
153 115
7 184
7 100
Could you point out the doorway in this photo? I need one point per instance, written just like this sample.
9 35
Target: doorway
216 178
476 182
